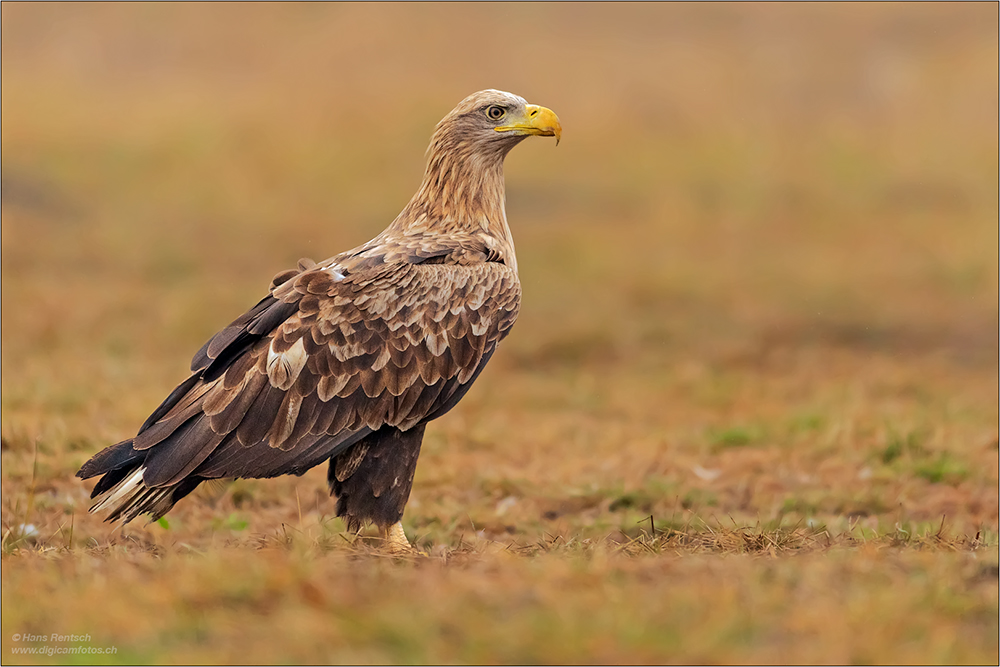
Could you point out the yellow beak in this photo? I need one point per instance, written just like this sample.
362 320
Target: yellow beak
536 120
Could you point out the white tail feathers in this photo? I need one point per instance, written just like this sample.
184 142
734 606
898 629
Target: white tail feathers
131 497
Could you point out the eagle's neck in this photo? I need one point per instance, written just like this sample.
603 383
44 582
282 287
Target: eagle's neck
462 194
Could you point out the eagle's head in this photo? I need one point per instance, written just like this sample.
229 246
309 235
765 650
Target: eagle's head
493 122
463 188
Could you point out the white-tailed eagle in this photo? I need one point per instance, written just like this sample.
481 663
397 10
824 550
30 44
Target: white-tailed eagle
346 360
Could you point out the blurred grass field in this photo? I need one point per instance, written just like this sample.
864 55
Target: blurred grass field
749 413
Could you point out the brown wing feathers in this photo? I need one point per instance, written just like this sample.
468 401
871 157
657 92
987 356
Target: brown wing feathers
352 356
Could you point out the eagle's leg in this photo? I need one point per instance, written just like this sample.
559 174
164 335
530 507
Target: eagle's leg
394 540
372 481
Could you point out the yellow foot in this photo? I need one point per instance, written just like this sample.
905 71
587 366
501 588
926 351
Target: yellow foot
395 542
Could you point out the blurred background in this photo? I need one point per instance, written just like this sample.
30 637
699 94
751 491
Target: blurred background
766 248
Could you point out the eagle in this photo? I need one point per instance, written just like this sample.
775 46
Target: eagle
348 359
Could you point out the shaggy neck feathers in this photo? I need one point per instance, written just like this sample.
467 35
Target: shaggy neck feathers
462 192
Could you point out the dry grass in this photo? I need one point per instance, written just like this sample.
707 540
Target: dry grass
748 414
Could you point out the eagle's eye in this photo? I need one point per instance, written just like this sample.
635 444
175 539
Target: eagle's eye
495 112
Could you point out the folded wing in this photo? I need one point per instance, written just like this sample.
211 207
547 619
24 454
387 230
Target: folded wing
320 363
